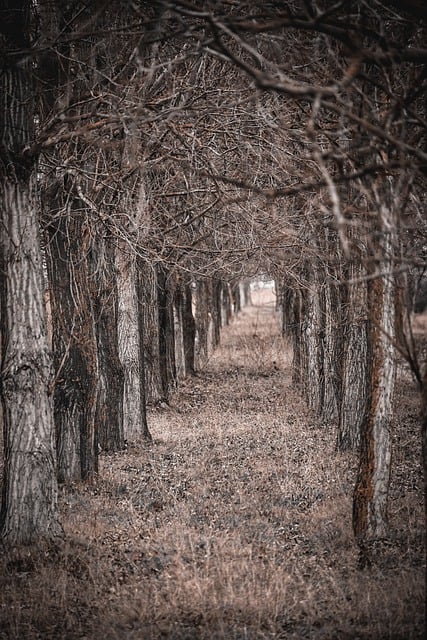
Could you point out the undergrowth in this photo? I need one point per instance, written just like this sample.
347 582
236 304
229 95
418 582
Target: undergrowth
234 524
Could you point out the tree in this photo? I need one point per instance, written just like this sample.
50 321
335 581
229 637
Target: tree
29 503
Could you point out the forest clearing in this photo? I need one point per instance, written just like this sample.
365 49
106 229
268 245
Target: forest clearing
235 523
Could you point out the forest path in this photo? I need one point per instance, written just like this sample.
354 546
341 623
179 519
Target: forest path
234 524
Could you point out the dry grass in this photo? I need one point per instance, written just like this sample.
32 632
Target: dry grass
234 524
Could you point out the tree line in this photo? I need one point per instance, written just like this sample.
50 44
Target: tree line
155 156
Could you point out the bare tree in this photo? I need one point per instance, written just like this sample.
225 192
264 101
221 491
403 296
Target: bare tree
29 506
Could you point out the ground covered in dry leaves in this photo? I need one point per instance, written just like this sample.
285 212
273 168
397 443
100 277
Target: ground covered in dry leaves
235 524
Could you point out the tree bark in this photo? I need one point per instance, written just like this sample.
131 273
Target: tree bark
355 369
371 490
202 324
178 304
74 339
150 333
189 330
129 325
109 408
166 333
331 351
29 510
313 345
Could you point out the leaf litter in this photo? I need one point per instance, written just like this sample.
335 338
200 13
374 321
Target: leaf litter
235 523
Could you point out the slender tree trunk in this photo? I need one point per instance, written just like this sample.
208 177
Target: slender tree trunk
215 302
189 330
371 490
237 301
166 334
226 307
178 304
313 345
331 352
299 360
150 334
202 324
29 510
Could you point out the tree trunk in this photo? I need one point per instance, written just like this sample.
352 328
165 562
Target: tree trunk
131 347
150 333
178 304
202 324
237 302
355 369
313 346
189 330
109 409
29 510
74 341
215 305
371 490
166 333
331 352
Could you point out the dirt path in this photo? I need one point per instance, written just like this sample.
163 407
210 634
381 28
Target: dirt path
235 523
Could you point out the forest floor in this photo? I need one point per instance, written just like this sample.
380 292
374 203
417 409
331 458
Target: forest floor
234 524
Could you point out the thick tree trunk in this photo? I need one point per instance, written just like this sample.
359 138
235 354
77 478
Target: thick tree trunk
372 484
29 510
74 342
130 345
355 369
109 409
245 293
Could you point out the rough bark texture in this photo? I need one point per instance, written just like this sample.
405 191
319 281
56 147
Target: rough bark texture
166 333
178 305
215 306
109 408
355 370
74 342
189 330
331 351
299 360
150 334
130 347
371 491
313 346
29 509
202 324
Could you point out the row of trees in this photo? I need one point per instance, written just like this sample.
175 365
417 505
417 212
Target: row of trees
153 156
